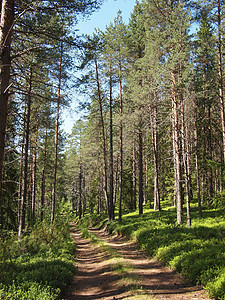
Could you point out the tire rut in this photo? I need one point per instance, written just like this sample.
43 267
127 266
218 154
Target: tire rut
128 273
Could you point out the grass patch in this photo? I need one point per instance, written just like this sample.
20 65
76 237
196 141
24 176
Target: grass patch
198 252
39 266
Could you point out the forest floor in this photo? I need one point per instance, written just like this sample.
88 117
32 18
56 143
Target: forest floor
117 269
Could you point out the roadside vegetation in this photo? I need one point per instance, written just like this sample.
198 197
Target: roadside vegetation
197 253
39 265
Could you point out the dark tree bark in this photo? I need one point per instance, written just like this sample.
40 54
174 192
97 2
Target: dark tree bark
220 73
154 122
6 24
33 199
80 192
111 205
134 177
140 169
121 144
43 175
103 139
197 159
26 148
176 150
56 136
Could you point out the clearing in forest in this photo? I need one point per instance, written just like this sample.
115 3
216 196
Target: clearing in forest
114 268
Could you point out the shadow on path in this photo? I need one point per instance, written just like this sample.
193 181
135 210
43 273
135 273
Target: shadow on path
97 280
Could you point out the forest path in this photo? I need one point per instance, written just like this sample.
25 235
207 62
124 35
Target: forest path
114 268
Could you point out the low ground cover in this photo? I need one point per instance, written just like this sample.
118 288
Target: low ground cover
39 266
198 252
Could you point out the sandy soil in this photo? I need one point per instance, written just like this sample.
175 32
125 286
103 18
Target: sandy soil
127 274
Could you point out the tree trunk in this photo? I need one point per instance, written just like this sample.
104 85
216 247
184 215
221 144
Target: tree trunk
43 175
26 148
33 200
115 182
111 206
134 179
154 122
176 151
80 193
197 159
185 164
140 168
121 144
6 24
56 137
21 165
103 141
220 71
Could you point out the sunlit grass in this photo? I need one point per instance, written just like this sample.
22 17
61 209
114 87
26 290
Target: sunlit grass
198 252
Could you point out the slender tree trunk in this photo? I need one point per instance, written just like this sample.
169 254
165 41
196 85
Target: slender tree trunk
115 182
6 24
21 165
210 181
134 179
177 147
29 210
80 193
185 154
221 91
84 194
103 141
154 122
140 168
56 137
111 215
43 175
185 164
25 172
121 144
145 178
33 200
197 159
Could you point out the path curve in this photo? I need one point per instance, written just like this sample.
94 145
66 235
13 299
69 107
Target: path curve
98 279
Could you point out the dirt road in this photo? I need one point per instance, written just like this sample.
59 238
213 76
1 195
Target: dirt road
117 269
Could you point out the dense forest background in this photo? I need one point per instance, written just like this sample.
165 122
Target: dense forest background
153 98
151 140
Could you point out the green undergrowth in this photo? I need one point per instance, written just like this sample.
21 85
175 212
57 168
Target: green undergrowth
39 266
198 252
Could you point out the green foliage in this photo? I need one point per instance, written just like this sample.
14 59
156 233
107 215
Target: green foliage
39 266
197 252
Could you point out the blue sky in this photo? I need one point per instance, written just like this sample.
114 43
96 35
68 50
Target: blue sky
99 19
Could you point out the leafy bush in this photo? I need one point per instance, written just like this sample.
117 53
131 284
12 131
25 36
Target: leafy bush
39 266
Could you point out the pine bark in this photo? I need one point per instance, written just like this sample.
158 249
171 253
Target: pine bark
154 121
6 25
176 150
220 73
140 169
111 204
43 175
26 150
197 159
56 137
33 199
121 144
134 176
103 139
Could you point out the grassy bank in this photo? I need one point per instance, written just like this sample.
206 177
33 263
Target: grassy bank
39 266
198 252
